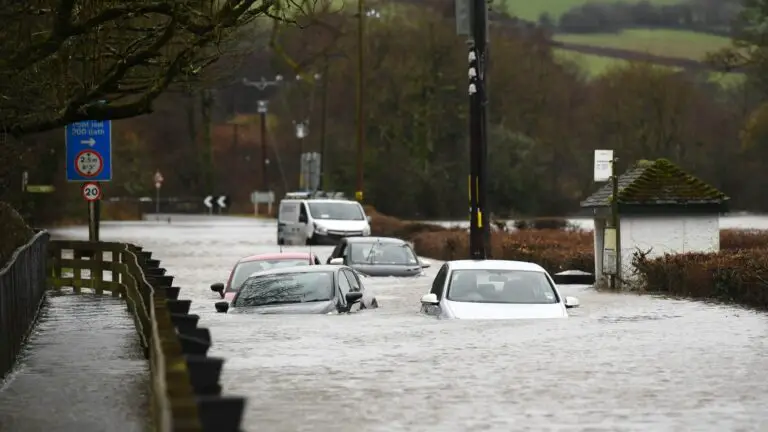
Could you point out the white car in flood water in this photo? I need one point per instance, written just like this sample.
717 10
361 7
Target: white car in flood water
495 289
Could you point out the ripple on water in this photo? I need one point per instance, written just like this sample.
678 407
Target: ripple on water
621 362
82 370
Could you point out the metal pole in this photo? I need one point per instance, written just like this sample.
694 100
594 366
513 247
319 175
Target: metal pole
263 121
157 200
360 98
615 222
479 233
323 119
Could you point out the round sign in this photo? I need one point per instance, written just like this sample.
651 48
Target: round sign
91 191
89 163
158 177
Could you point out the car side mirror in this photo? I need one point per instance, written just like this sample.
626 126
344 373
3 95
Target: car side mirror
571 302
222 307
353 297
336 261
368 218
424 263
219 288
302 218
430 298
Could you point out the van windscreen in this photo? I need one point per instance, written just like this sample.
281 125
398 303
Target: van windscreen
336 211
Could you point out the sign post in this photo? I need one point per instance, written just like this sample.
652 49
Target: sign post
605 169
208 202
258 197
158 184
89 160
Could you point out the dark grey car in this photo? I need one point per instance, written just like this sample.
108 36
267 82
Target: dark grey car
378 256
317 289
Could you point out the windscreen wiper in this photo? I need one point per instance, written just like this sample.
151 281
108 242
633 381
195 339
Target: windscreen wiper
370 253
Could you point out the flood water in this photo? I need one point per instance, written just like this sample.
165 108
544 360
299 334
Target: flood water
621 362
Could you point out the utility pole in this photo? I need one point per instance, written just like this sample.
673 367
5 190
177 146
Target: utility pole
360 89
263 106
323 120
479 232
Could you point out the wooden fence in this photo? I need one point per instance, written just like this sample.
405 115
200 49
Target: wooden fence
22 286
186 395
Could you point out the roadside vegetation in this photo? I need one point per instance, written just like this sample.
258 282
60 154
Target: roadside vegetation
737 274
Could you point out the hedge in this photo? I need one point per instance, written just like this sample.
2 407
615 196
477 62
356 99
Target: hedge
738 273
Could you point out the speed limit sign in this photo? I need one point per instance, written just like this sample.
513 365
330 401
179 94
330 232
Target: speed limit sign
91 191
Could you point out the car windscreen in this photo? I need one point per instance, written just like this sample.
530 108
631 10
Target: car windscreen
501 286
382 253
247 268
336 211
285 288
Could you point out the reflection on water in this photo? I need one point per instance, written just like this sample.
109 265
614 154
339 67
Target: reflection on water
82 370
621 362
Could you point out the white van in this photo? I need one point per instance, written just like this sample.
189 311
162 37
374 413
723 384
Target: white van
308 219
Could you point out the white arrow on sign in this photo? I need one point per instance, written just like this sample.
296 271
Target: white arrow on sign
221 201
89 142
208 201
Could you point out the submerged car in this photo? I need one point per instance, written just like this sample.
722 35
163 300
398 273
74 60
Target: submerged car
495 289
255 263
378 256
318 289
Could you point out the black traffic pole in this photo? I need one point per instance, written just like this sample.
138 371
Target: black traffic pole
479 232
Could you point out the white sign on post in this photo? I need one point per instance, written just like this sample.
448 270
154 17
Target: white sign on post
603 161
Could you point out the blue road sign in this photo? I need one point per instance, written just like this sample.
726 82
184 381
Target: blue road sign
89 151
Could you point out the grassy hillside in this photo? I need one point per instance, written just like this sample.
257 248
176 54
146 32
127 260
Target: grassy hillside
531 9
668 43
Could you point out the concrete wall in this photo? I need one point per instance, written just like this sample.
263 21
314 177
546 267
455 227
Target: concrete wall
658 235
667 234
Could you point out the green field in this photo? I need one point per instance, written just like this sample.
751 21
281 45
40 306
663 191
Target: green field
594 65
668 43
531 9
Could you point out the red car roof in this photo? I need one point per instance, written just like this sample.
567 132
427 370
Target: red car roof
278 255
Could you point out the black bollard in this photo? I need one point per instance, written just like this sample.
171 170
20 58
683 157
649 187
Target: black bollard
154 271
220 414
160 281
204 374
193 345
179 306
171 293
184 322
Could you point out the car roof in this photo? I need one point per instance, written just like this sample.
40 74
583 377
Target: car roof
277 256
374 240
494 265
321 200
298 269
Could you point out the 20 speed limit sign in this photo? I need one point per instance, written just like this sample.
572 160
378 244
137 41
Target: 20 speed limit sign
91 191
89 163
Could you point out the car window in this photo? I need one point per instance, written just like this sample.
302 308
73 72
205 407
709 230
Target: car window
302 212
439 282
501 286
285 288
344 284
245 269
288 211
383 253
336 210
353 282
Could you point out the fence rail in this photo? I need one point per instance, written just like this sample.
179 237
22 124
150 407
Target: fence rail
22 286
186 395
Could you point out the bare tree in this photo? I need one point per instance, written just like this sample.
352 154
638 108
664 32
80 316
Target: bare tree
71 60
